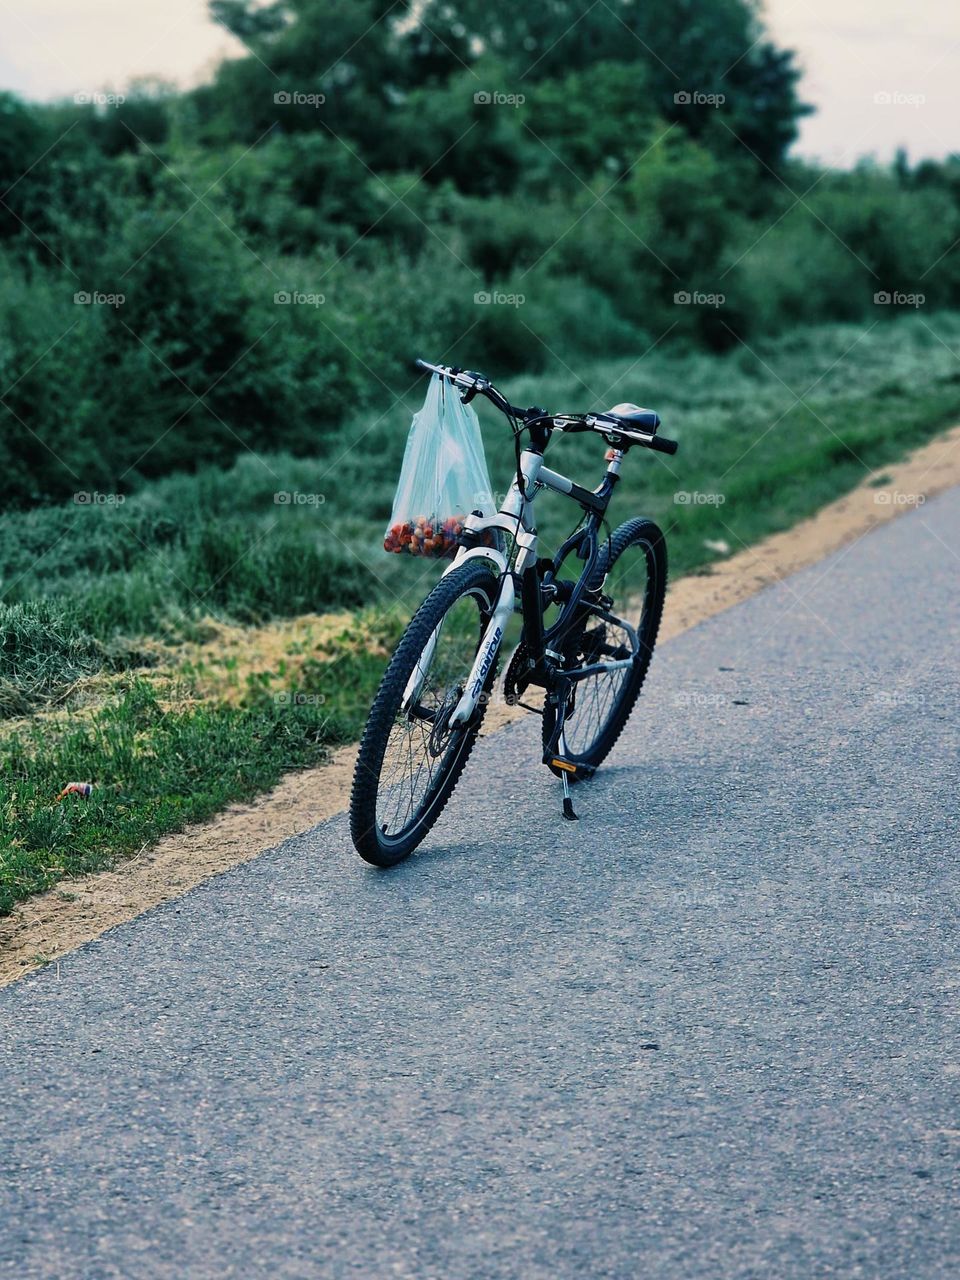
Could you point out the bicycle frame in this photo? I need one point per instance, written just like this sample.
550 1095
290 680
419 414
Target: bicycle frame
516 518
428 710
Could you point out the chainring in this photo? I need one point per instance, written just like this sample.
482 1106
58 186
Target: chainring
516 680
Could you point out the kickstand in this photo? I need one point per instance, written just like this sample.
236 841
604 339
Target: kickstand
568 811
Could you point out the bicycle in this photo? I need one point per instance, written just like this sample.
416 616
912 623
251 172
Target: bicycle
589 661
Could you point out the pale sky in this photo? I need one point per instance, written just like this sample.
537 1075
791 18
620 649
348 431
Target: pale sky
853 50
906 52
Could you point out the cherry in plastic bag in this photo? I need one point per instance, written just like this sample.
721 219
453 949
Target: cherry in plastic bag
443 477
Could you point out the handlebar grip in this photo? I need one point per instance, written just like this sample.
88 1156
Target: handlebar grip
662 445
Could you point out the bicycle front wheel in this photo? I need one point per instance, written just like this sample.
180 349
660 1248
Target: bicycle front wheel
410 756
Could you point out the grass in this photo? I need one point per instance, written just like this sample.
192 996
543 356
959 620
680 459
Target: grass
752 434
113 613
162 757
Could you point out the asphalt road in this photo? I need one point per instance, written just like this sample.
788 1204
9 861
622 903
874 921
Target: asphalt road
709 1031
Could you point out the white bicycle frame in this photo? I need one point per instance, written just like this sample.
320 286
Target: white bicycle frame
515 518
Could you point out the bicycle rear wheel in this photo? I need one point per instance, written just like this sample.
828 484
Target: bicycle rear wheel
632 567
410 757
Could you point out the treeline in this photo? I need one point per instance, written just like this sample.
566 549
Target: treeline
251 265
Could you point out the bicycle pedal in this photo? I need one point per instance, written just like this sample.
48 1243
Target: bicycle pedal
567 768
558 762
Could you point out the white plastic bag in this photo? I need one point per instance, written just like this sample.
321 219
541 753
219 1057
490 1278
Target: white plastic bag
443 478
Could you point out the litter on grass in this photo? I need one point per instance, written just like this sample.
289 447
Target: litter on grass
77 789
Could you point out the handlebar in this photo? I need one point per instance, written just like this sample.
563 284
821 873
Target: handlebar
475 384
660 444
609 425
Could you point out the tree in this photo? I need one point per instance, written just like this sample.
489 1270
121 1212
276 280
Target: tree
248 21
680 48
22 142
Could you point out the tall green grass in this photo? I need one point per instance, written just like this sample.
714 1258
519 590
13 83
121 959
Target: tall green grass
775 430
771 433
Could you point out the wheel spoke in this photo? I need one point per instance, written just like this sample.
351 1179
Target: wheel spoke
598 697
420 748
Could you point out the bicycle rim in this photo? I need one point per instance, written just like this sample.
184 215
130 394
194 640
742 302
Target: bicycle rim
422 746
597 699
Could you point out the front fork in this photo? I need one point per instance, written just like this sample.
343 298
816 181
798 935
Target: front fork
486 654
515 518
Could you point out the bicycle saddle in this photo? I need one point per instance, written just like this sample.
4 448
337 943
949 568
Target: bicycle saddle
631 415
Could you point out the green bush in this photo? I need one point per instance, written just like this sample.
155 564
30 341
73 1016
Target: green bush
590 187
